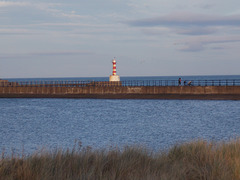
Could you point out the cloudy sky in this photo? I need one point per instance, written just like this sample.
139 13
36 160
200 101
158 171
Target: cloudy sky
79 38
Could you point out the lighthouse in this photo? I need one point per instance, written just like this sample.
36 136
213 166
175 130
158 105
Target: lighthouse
114 76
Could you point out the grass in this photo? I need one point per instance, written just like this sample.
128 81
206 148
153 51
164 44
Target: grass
188 161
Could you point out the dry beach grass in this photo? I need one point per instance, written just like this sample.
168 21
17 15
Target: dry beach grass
187 161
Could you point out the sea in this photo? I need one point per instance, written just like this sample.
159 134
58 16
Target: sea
29 125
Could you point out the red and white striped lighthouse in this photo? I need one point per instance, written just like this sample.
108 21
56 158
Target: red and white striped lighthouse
114 73
114 76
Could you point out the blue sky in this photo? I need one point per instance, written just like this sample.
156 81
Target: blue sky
77 38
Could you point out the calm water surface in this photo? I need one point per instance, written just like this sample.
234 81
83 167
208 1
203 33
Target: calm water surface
35 123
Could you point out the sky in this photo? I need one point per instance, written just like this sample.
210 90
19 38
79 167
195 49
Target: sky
79 38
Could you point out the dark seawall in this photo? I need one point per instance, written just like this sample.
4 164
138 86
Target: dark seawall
124 92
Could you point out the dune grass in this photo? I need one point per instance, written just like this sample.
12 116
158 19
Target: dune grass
188 161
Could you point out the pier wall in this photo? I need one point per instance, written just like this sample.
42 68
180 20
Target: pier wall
124 92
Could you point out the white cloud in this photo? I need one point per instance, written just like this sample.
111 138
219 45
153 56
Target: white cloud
73 15
188 19
192 31
193 44
7 4
196 30
14 31
46 53
68 30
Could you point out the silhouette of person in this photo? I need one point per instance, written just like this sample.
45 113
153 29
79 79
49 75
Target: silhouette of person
179 81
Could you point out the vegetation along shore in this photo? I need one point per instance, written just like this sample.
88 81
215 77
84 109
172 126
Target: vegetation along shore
188 161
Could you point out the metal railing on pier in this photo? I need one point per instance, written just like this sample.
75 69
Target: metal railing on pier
136 83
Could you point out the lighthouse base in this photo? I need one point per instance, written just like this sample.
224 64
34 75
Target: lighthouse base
114 78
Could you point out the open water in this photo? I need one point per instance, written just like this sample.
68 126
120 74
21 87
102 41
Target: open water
32 124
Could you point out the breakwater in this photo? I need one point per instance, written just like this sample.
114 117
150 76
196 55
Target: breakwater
217 89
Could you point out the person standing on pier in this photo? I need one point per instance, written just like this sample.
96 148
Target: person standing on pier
179 81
